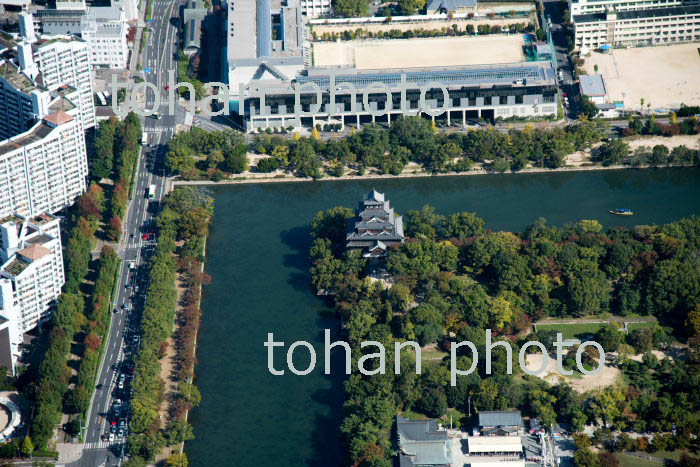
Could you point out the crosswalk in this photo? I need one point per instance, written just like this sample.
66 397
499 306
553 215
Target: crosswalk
100 444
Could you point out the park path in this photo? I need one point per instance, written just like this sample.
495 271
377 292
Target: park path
612 319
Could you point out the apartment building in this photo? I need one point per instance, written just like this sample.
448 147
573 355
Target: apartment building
105 30
43 169
637 27
62 61
31 277
580 7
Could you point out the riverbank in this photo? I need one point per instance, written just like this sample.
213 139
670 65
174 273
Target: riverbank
422 174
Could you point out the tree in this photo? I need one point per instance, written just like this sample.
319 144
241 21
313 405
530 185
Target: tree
641 339
613 152
135 461
609 337
586 458
268 164
114 229
582 441
540 34
607 459
351 8
178 431
333 225
659 155
27 446
433 403
588 107
236 159
177 460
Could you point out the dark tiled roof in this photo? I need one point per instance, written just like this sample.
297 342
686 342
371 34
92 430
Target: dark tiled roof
500 418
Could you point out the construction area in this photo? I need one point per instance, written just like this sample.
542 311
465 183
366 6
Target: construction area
663 76
422 52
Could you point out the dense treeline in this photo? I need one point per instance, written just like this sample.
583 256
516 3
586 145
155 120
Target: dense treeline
185 218
453 279
115 156
71 323
410 139
638 125
199 153
454 30
617 151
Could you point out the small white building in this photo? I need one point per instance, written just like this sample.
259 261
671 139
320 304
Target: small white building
593 86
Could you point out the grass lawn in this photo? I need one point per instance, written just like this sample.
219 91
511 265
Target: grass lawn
572 331
627 460
436 355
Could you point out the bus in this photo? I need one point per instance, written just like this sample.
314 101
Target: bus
152 192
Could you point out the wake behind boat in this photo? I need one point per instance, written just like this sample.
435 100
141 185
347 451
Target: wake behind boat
622 212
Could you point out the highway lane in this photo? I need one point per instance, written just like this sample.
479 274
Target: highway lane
141 211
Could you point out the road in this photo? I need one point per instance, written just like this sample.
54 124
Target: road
160 56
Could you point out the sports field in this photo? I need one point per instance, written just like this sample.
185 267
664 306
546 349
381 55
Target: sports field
664 76
420 52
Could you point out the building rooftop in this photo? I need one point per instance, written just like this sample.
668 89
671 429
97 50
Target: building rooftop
640 14
486 444
61 104
36 133
16 266
12 73
487 76
450 5
500 418
34 252
592 85
39 239
58 118
422 443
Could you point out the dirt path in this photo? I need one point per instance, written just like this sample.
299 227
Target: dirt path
612 319
580 383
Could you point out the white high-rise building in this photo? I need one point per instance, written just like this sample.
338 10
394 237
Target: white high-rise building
31 277
105 30
43 169
65 61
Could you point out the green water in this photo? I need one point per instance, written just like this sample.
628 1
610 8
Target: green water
257 258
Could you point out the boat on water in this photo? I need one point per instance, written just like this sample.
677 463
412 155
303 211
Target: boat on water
622 212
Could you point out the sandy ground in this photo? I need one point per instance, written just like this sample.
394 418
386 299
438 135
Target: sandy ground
4 417
664 76
422 52
691 141
581 384
428 25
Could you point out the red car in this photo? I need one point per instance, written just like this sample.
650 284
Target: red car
146 236
167 87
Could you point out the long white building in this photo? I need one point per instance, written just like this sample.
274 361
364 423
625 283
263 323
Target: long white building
630 23
31 277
